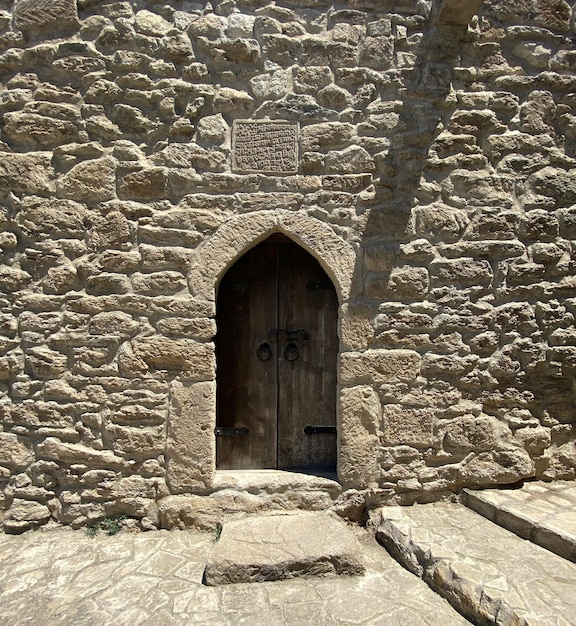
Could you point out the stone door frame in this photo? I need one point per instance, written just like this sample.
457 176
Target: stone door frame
191 449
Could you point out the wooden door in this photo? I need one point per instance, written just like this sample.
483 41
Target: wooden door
276 351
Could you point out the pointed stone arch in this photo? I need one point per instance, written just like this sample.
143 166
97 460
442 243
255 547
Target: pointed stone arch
236 237
190 449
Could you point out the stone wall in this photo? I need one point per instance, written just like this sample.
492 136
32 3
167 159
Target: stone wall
436 185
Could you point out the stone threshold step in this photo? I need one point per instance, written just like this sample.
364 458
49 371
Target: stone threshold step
283 546
238 493
544 513
490 575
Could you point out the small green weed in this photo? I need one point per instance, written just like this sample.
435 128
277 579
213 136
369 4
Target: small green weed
217 531
110 525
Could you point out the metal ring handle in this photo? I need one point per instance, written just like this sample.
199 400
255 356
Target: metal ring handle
264 351
291 352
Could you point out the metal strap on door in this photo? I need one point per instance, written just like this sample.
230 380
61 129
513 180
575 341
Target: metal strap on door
293 340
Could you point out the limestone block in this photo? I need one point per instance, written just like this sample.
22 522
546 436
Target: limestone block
280 49
158 282
535 440
107 283
448 364
42 362
461 272
172 258
334 97
352 160
25 173
41 218
404 283
146 441
356 326
13 279
381 366
190 447
168 236
191 155
61 279
204 513
24 515
110 231
130 119
147 184
39 415
471 433
151 24
212 130
377 52
113 323
89 181
553 14
405 426
278 547
555 183
361 415
455 12
539 225
498 467
302 108
201 328
14 453
53 449
188 359
29 131
228 100
240 25
309 79
439 222
326 135
210 25
46 18
271 86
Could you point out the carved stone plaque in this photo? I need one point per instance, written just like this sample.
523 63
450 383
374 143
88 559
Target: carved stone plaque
265 147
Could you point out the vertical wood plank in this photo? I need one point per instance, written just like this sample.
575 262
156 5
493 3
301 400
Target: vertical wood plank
247 386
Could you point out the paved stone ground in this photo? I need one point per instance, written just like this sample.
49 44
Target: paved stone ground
65 577
494 576
545 513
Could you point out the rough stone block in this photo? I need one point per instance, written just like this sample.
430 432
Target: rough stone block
280 547
14 453
359 442
47 17
191 443
383 366
404 426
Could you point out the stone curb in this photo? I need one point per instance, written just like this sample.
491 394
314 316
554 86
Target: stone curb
489 575
509 515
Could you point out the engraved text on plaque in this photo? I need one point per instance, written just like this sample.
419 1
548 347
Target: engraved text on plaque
267 147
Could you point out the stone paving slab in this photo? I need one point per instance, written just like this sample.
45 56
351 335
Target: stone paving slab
283 546
63 577
544 513
490 574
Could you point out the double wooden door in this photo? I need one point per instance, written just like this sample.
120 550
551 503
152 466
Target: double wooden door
276 351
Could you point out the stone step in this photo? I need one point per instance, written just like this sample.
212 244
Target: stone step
282 546
489 574
239 493
544 513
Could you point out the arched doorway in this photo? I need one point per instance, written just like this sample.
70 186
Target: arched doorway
276 351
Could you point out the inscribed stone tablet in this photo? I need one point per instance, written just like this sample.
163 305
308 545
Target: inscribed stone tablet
266 147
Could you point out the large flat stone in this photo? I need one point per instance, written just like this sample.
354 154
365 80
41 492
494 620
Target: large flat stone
486 572
283 546
544 513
